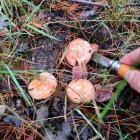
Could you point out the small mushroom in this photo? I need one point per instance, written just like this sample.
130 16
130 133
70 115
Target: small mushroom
80 91
42 86
79 53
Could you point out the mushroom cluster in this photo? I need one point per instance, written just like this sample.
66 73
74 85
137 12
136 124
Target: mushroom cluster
78 54
79 90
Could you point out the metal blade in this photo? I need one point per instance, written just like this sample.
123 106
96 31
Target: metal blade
101 59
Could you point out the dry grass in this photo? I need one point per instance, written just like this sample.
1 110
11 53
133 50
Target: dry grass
115 28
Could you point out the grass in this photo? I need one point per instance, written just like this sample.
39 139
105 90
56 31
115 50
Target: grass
123 137
24 95
118 91
89 123
119 23
42 32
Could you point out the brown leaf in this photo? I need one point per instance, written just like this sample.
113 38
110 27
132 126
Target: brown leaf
103 94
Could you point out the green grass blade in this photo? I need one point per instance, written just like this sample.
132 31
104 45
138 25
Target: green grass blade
89 123
29 3
35 9
17 84
42 32
121 86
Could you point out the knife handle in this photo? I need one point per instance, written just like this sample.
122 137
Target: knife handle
123 69
120 68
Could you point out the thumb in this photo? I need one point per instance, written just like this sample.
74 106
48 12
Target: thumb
133 78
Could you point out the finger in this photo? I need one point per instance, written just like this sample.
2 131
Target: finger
132 57
133 78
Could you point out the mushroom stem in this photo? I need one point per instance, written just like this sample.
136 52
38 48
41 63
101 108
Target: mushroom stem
76 72
84 69
79 72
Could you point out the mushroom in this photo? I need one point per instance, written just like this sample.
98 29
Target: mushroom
80 91
42 86
79 53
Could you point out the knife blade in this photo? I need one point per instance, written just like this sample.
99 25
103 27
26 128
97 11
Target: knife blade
101 59
120 68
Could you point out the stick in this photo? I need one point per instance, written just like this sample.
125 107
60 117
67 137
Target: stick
90 2
102 4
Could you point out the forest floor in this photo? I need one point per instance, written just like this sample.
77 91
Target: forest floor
34 35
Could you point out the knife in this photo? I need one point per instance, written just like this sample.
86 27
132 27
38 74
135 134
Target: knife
117 66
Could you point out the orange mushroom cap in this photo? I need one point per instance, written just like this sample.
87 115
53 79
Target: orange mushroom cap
80 91
78 51
42 86
78 54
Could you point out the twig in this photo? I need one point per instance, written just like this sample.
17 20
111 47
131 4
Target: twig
130 4
65 109
89 123
90 2
75 128
102 4
16 115
97 110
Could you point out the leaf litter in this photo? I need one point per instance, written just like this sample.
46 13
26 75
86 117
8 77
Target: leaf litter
3 22
2 109
44 54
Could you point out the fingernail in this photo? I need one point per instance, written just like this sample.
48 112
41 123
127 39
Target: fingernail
129 75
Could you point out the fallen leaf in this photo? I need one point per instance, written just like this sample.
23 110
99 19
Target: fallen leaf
86 14
12 119
2 109
66 127
21 48
60 135
42 113
3 22
4 32
103 94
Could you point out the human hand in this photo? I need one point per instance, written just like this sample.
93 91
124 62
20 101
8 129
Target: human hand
132 76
